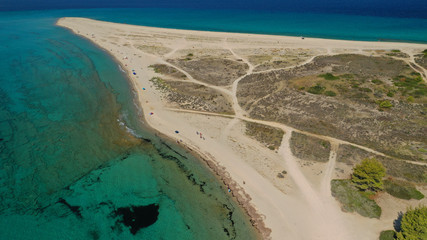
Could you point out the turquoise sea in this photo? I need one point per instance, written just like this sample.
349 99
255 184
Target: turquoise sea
76 162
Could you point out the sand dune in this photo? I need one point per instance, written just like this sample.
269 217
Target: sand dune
298 206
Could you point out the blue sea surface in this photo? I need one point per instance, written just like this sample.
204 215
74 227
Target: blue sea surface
76 162
308 24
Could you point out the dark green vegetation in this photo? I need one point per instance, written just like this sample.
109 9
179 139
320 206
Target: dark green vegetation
402 189
168 71
320 89
412 85
330 93
353 200
368 175
413 224
372 106
396 168
215 71
269 136
377 81
193 96
388 235
329 76
309 148
316 89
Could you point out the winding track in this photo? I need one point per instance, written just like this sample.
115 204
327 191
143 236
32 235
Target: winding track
242 115
321 202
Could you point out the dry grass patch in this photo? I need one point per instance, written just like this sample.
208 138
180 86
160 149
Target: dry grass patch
271 137
310 148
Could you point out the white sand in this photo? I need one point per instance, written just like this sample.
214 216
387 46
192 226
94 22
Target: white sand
298 206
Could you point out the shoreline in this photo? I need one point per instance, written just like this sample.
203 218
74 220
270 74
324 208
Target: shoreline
380 42
277 208
237 193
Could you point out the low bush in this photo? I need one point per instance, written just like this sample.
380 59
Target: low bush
353 200
388 235
390 94
385 104
414 86
402 190
365 89
317 89
377 81
330 93
329 76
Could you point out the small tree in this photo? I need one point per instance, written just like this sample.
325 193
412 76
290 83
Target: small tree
414 224
368 175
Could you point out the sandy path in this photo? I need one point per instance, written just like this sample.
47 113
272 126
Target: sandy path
236 106
328 172
320 205
288 128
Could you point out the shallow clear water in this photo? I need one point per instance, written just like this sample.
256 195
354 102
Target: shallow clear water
68 163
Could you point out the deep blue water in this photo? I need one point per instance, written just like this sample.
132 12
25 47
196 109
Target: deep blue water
75 160
323 25
389 8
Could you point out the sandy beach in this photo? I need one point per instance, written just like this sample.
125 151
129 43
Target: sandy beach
296 205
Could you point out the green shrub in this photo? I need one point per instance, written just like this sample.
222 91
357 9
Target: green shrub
410 99
385 104
414 85
354 200
317 89
329 76
377 81
402 190
425 53
390 94
368 175
395 50
365 89
330 93
414 224
388 235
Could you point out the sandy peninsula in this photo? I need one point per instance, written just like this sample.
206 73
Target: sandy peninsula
203 89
